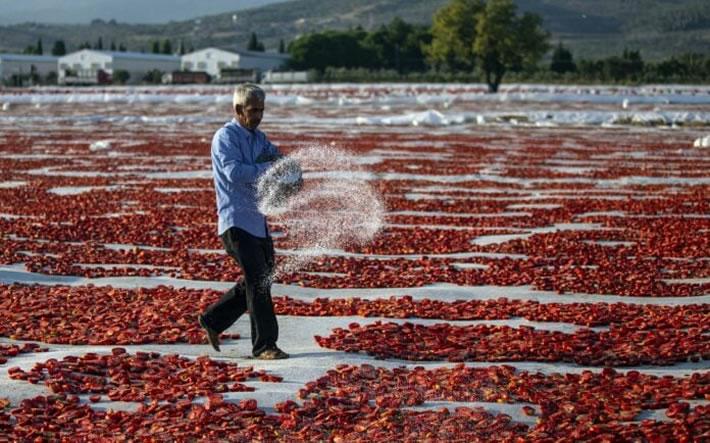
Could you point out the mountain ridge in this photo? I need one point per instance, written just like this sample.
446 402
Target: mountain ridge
659 28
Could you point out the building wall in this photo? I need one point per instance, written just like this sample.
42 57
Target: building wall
260 63
10 67
213 60
84 64
87 63
210 60
139 67
286 77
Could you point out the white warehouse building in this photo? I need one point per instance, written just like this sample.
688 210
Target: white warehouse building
214 60
22 65
84 66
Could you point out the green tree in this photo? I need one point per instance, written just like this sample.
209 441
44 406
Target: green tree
113 46
453 34
34 77
562 60
39 50
627 67
668 69
181 50
254 43
342 49
99 44
282 46
51 78
59 48
153 76
167 47
634 64
156 47
121 48
398 46
120 76
695 62
591 69
505 41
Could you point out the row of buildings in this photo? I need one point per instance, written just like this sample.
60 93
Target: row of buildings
91 66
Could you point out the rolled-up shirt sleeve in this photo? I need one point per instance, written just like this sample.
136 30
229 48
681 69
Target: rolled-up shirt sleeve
227 158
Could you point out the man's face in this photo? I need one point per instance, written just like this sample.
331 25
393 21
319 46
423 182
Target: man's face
250 115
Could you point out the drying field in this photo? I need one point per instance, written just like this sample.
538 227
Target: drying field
543 272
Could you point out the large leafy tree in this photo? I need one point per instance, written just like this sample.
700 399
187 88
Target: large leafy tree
395 46
505 41
453 33
340 49
488 35
398 45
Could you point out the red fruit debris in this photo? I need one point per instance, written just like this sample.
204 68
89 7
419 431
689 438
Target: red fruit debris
141 377
662 238
620 346
661 250
632 316
103 316
569 403
11 350
59 417
248 405
71 315
359 402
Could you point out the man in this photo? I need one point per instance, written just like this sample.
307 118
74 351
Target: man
240 154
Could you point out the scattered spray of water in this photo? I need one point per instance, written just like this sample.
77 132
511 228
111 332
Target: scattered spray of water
335 208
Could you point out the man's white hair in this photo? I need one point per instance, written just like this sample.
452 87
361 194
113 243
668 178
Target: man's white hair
243 92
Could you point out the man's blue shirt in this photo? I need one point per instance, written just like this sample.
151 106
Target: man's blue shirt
234 153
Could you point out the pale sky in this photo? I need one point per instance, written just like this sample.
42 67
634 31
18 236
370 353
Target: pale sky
126 11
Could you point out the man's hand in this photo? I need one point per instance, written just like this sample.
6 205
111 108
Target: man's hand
266 158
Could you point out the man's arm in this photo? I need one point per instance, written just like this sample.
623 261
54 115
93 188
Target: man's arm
271 148
227 159
270 154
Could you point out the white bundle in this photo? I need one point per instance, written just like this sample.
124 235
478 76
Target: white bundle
100 145
703 142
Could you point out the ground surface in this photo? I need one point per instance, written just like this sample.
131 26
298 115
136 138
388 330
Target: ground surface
543 273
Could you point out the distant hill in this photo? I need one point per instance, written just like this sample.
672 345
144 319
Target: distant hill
597 28
129 11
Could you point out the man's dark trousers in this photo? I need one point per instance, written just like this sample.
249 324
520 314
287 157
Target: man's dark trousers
252 292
